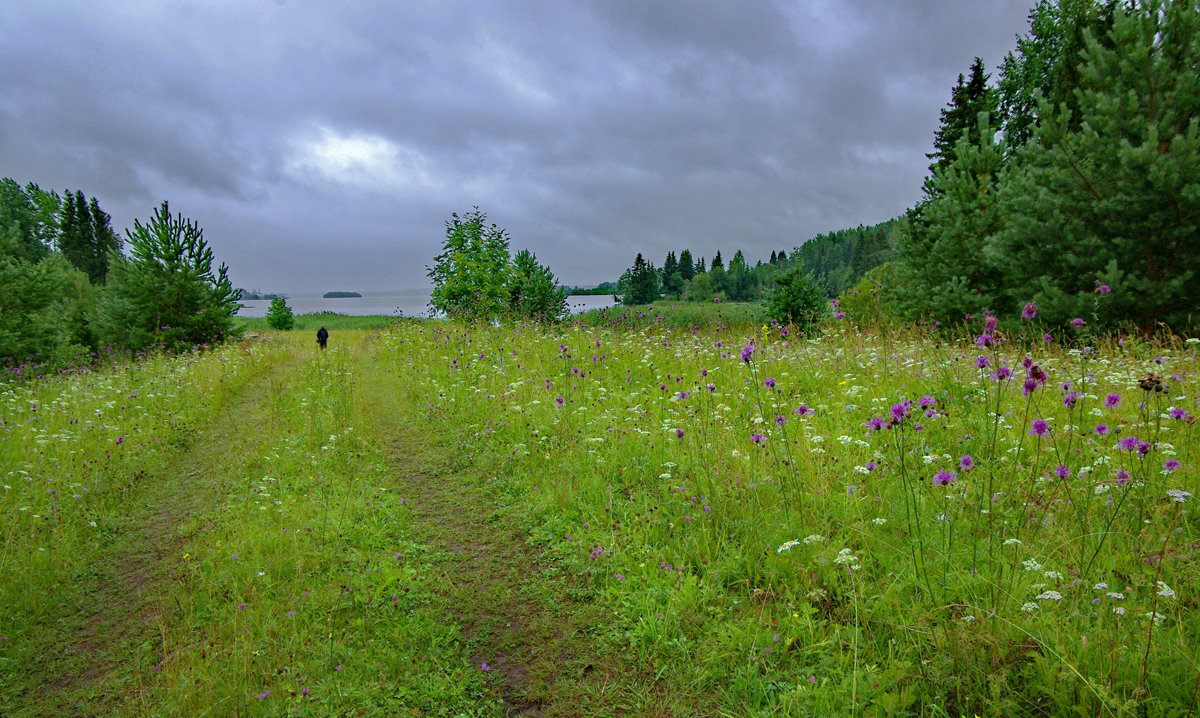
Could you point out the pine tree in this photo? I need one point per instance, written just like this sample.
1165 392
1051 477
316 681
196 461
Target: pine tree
717 261
166 292
533 291
1109 193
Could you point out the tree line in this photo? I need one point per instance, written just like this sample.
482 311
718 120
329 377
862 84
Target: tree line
1069 188
69 290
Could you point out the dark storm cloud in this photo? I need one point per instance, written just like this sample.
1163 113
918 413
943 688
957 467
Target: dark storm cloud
322 145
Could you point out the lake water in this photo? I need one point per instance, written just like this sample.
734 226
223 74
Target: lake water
413 303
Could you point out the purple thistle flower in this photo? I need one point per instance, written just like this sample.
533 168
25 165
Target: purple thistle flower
747 352
1002 374
1112 400
876 423
1178 413
899 411
484 667
779 420
120 440
1039 427
1128 443
1101 429
984 340
1070 398
757 438
982 362
1103 288
1122 477
1062 472
926 401
263 695
966 463
1170 464
683 395
679 433
1047 337
1078 323
770 382
1030 311
945 477
1030 385
803 409
560 401
871 466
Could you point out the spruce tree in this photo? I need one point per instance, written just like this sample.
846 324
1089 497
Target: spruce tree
1045 65
944 272
687 267
961 116
672 282
717 261
104 242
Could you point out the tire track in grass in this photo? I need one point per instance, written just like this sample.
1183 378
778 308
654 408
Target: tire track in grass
126 608
542 639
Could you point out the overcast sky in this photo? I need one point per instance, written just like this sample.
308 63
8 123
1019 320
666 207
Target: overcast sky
322 145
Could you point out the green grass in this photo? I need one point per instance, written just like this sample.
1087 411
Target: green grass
679 315
330 320
618 518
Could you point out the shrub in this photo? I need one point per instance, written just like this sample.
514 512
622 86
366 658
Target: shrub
280 316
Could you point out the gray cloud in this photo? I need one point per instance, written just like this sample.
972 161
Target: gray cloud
323 146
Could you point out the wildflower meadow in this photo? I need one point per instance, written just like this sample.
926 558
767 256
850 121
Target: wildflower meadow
868 521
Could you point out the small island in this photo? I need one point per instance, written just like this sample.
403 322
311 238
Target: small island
340 295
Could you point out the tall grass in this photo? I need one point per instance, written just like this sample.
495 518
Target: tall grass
874 523
214 534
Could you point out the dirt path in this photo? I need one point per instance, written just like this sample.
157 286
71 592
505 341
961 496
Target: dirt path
517 611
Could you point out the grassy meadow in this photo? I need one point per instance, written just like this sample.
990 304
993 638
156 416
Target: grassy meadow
673 511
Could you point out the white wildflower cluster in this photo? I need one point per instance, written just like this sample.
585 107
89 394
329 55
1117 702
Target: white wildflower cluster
1100 586
1165 591
861 470
1119 610
1013 542
1158 618
1116 595
879 521
815 538
1031 564
845 556
1049 596
1053 575
1179 496
1029 607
